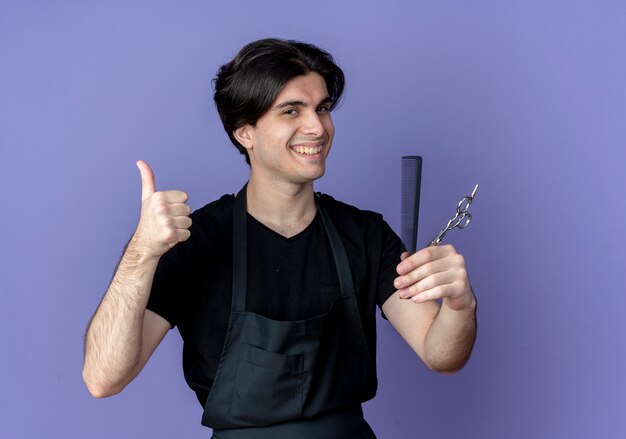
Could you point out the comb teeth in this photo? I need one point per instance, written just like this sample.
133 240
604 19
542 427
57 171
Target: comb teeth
411 181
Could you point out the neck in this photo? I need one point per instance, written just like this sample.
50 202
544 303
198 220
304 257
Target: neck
286 208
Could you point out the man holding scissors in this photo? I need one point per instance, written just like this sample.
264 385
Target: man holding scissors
275 290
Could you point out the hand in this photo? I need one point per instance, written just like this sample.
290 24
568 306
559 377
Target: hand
436 272
164 220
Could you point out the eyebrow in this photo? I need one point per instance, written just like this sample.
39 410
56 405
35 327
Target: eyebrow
280 106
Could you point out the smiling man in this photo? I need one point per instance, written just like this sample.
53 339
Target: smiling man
274 291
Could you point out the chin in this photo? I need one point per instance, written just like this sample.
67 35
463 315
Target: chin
317 175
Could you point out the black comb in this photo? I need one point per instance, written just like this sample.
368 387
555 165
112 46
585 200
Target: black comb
411 185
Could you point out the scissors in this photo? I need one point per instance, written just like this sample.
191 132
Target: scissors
460 220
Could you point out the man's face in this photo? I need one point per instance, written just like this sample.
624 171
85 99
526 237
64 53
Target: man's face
291 141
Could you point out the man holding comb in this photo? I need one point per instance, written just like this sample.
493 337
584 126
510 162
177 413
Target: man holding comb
274 290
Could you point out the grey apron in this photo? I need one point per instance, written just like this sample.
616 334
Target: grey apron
291 379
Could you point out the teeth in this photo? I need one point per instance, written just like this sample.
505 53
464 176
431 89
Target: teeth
306 150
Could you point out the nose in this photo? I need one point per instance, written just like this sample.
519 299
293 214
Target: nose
312 125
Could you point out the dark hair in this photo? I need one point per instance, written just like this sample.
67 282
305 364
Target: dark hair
246 87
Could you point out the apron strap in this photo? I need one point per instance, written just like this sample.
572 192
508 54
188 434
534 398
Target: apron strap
240 252
339 252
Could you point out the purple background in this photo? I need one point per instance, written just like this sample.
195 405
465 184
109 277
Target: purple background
528 99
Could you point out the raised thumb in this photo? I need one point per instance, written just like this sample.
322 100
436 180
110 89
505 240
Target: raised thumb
147 180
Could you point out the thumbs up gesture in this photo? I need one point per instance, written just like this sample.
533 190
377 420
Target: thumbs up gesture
164 220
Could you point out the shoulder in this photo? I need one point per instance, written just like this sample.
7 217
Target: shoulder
358 223
349 214
364 227
219 206
215 212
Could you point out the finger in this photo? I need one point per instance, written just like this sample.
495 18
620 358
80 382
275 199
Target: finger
424 256
427 283
433 294
175 196
182 234
421 272
404 255
147 180
179 209
181 222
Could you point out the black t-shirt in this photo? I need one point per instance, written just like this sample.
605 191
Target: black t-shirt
288 278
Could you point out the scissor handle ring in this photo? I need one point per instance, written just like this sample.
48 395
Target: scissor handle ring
464 205
460 221
465 220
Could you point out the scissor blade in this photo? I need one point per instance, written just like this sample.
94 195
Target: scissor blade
474 191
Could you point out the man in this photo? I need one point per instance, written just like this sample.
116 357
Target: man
274 291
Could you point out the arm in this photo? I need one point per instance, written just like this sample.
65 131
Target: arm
122 334
443 334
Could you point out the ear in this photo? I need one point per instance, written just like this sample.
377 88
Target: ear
244 135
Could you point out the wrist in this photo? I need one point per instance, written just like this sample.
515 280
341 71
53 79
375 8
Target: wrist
464 304
140 250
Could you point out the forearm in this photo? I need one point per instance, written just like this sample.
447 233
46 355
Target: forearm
113 338
450 338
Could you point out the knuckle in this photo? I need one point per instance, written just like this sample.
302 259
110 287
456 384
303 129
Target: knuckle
464 283
458 259
429 252
169 235
445 249
422 285
160 209
463 273
409 278
430 282
427 269
457 288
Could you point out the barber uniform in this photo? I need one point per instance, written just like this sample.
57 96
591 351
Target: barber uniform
291 379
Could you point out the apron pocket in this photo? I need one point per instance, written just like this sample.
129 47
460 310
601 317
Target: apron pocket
268 386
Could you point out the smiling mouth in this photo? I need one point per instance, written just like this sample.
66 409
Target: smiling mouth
307 150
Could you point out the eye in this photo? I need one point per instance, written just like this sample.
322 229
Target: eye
290 111
323 109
